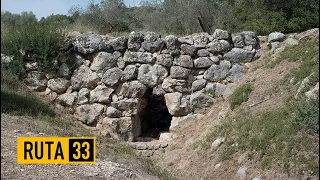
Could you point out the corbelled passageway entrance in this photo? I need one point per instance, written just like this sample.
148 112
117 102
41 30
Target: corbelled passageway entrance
155 118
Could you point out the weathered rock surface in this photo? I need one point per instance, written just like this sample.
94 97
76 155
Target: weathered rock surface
152 75
88 43
89 113
118 44
101 94
164 60
276 36
103 61
152 42
203 62
130 73
67 99
36 81
58 85
173 85
217 72
178 72
199 101
198 84
177 104
183 61
83 77
239 55
112 76
138 57
132 89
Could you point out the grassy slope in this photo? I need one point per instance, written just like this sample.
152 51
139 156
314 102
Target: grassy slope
272 135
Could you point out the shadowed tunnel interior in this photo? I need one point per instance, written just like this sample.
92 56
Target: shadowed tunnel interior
156 117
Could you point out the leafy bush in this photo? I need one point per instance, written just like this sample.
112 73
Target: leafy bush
240 95
41 43
307 115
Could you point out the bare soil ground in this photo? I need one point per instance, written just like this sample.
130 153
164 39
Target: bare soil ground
15 126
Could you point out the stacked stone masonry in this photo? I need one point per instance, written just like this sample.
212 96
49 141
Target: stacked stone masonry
108 82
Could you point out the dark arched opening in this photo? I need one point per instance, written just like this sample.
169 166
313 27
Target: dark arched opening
156 117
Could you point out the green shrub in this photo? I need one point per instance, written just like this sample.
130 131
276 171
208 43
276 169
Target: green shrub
307 115
240 95
41 43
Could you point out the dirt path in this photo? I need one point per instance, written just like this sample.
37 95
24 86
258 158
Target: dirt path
14 126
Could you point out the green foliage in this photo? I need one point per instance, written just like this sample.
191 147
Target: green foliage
11 20
39 42
271 136
57 20
307 52
307 115
15 99
240 95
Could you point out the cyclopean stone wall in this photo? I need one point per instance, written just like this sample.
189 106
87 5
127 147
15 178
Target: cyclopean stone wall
107 85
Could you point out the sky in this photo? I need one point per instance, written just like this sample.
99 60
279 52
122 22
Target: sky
44 8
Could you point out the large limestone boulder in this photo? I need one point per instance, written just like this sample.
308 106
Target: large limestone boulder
67 99
88 43
218 72
221 34
178 72
113 112
130 73
135 40
199 101
235 72
239 55
83 96
101 94
188 49
118 44
132 89
276 36
178 122
219 46
152 42
200 40
251 39
58 85
198 84
177 104
173 85
183 61
203 62
238 40
119 128
89 114
152 75
130 106
171 42
112 76
36 81
185 40
164 60
103 61
138 57
84 77
203 52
